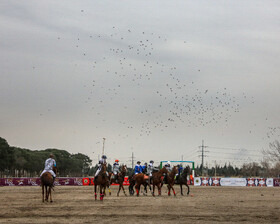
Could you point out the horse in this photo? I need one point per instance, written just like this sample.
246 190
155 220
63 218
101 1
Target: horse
183 179
141 179
170 180
102 180
119 179
47 182
157 180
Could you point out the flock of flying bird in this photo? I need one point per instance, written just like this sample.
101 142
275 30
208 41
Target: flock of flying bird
132 74
149 92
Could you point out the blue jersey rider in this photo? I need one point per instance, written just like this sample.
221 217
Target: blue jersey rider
144 168
179 168
138 168
101 162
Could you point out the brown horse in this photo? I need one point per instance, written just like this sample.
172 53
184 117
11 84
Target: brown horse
119 179
47 182
132 183
102 180
141 179
183 179
157 179
171 180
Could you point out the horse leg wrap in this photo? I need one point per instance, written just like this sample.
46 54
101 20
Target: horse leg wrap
137 192
101 197
174 193
169 193
95 196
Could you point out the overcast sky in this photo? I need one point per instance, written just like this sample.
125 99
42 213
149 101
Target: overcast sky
152 77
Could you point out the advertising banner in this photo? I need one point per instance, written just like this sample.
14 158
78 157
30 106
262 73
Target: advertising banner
276 182
238 182
25 181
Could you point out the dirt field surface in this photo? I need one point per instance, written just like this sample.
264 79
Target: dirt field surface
203 205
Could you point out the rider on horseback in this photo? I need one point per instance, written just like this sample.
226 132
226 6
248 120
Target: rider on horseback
179 168
168 167
138 168
101 162
116 168
49 164
150 169
144 168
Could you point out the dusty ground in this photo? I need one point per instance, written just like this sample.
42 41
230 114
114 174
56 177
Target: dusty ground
77 205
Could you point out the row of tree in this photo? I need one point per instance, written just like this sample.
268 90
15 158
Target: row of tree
20 162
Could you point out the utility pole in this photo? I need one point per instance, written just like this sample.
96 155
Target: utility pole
132 161
202 155
103 146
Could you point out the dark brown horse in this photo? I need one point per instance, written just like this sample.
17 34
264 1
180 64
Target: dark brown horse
183 179
170 180
102 180
157 179
47 182
119 179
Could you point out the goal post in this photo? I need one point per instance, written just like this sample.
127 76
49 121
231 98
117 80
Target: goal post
181 162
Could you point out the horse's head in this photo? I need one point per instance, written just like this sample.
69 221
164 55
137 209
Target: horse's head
163 170
104 168
124 169
187 170
174 170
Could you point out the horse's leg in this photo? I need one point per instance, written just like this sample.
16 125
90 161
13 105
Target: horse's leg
181 186
119 190
154 186
43 192
109 189
123 189
47 194
168 186
188 188
159 189
137 188
95 195
50 190
173 190
101 193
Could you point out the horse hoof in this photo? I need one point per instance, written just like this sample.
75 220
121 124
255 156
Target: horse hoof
51 201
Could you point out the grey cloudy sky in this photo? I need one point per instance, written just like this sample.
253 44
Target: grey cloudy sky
152 77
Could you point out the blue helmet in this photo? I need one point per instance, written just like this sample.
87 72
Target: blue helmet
104 157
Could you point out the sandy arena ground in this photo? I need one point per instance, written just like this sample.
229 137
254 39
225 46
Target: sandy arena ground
205 204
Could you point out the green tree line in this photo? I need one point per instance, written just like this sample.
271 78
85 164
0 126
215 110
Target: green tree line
21 162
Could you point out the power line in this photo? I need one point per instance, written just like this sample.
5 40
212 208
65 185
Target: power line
202 154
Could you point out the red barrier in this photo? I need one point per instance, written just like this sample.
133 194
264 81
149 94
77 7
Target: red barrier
89 181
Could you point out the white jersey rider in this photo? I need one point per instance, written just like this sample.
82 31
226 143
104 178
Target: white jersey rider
150 168
168 166
101 161
116 167
49 164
